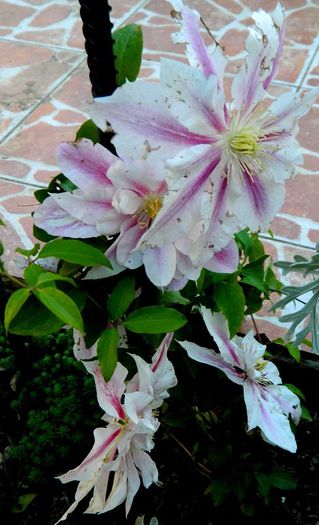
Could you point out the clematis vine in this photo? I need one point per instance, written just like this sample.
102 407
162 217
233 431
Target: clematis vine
120 198
269 403
229 160
119 456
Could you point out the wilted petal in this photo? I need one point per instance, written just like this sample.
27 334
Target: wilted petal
133 482
105 442
119 488
209 357
264 411
146 466
109 393
85 163
218 329
79 348
97 501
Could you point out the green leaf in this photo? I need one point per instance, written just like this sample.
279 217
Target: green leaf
154 320
32 273
219 489
127 47
257 250
1 248
170 297
263 484
74 251
295 390
49 277
282 479
41 195
62 306
253 299
42 235
14 305
23 502
305 414
244 241
2 223
121 297
29 253
230 299
43 321
107 352
272 281
294 351
88 130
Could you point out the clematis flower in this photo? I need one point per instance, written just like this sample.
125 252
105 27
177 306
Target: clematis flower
120 198
119 456
229 160
269 403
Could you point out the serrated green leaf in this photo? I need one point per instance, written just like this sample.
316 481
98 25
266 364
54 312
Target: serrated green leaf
88 130
121 297
282 479
230 299
74 251
62 306
154 320
107 352
14 305
127 47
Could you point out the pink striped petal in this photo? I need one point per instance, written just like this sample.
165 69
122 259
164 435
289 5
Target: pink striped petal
109 394
85 163
142 123
55 220
194 100
209 357
226 260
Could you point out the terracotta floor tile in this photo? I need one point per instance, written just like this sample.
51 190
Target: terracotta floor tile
13 15
51 14
28 73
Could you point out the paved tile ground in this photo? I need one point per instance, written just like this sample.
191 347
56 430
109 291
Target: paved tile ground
44 93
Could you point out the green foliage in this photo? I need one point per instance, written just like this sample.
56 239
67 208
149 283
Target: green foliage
107 352
74 251
54 403
154 320
88 130
128 47
227 294
121 297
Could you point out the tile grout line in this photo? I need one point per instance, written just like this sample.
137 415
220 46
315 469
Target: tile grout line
22 182
48 94
42 44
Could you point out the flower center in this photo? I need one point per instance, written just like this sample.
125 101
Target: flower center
150 207
244 143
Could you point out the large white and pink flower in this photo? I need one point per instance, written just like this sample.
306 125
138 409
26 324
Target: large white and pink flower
114 197
229 160
269 403
120 456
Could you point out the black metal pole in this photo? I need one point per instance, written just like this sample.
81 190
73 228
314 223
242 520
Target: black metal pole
97 31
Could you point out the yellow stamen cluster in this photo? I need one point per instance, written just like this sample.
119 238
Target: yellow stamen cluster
244 143
150 207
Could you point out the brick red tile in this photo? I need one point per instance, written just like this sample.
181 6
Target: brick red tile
51 15
13 15
13 168
285 228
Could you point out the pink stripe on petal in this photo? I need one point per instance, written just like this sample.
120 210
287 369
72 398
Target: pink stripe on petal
258 195
85 163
